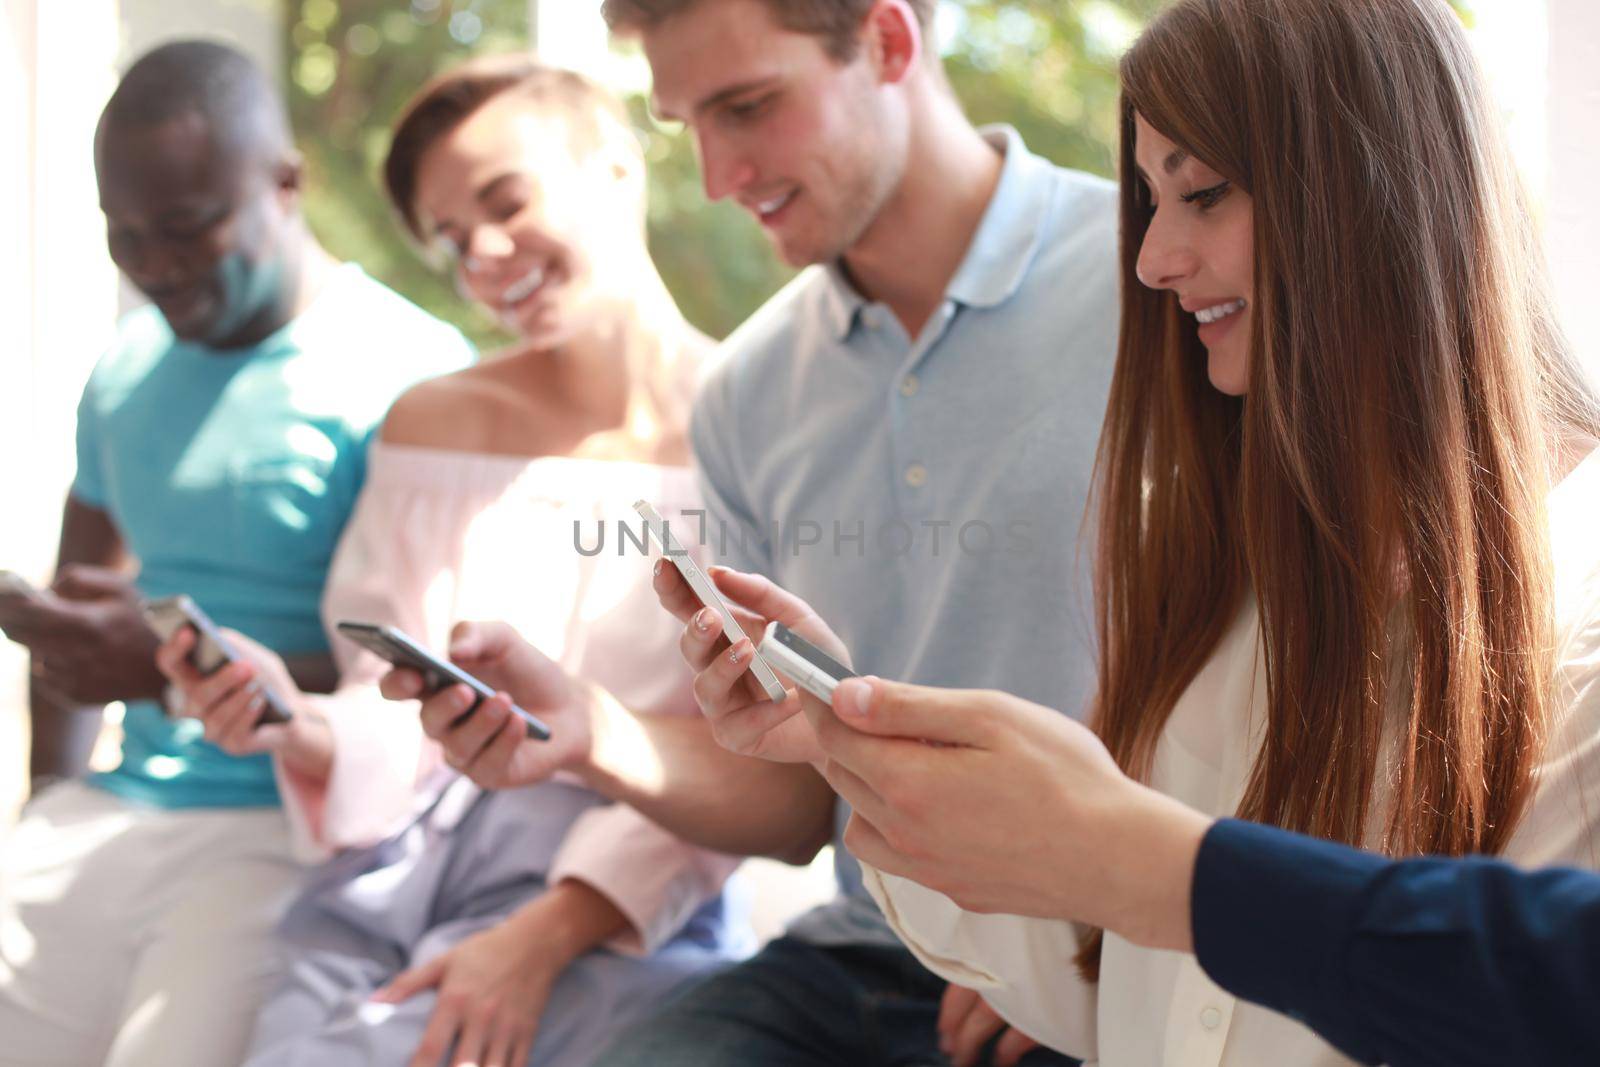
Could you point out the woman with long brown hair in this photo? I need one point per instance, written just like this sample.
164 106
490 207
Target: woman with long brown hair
1346 576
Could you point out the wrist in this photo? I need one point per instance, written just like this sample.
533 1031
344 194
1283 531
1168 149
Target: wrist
611 752
567 920
307 751
1155 841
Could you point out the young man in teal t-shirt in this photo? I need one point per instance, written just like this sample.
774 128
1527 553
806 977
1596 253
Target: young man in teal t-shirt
221 445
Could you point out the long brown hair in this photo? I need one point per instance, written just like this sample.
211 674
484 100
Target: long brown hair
1380 489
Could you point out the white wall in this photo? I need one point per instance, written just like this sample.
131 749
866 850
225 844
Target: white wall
1573 210
59 297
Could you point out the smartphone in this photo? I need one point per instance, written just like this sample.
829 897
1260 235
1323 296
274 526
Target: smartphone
396 647
811 668
211 651
707 592
14 584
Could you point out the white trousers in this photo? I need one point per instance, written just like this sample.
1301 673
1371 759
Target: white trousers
132 936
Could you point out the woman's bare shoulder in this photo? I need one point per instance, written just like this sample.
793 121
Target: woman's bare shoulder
456 411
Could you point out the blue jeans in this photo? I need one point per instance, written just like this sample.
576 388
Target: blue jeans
800 1005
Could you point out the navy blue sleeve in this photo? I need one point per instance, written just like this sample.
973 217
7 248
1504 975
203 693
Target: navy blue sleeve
1407 963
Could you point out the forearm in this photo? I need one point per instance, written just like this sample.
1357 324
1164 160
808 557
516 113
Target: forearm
308 753
1415 962
567 920
62 736
1151 845
63 733
672 770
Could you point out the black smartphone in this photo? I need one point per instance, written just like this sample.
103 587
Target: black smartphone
396 647
811 668
211 650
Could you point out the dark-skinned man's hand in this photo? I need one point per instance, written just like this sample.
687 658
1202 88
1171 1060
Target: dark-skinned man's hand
89 642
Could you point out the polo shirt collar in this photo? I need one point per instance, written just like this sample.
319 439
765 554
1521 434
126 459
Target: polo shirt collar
1002 248
1008 237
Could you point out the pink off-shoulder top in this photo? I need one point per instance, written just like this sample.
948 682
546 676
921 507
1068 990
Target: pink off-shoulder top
438 537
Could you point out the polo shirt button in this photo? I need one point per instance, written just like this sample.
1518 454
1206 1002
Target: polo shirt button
916 476
909 386
1211 1018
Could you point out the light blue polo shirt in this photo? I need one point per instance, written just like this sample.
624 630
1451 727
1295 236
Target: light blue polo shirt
230 475
926 495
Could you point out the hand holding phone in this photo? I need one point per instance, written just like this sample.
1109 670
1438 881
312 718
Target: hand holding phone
211 651
400 650
708 595
811 668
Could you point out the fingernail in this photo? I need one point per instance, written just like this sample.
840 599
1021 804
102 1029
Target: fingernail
460 699
852 697
737 655
702 620
656 570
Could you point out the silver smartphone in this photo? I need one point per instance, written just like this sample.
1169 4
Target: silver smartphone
211 651
811 668
706 590
397 648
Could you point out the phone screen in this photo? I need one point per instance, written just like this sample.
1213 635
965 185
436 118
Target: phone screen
211 651
396 647
810 653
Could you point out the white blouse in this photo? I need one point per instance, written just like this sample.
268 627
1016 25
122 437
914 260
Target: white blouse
1156 1007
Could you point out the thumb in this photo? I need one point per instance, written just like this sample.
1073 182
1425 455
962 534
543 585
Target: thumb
82 581
471 641
917 712
409 983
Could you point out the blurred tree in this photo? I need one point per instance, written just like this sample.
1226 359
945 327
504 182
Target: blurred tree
352 66
1046 67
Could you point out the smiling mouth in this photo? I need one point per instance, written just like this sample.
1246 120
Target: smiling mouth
523 287
1206 316
765 209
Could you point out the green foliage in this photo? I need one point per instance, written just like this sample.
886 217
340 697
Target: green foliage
352 65
1049 69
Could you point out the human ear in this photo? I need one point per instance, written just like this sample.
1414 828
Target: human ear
893 40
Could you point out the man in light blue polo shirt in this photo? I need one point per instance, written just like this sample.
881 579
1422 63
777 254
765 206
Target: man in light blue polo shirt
221 444
904 438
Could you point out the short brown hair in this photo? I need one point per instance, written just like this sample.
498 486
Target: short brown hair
450 97
836 21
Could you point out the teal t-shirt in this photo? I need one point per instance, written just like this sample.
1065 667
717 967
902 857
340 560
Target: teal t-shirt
230 475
